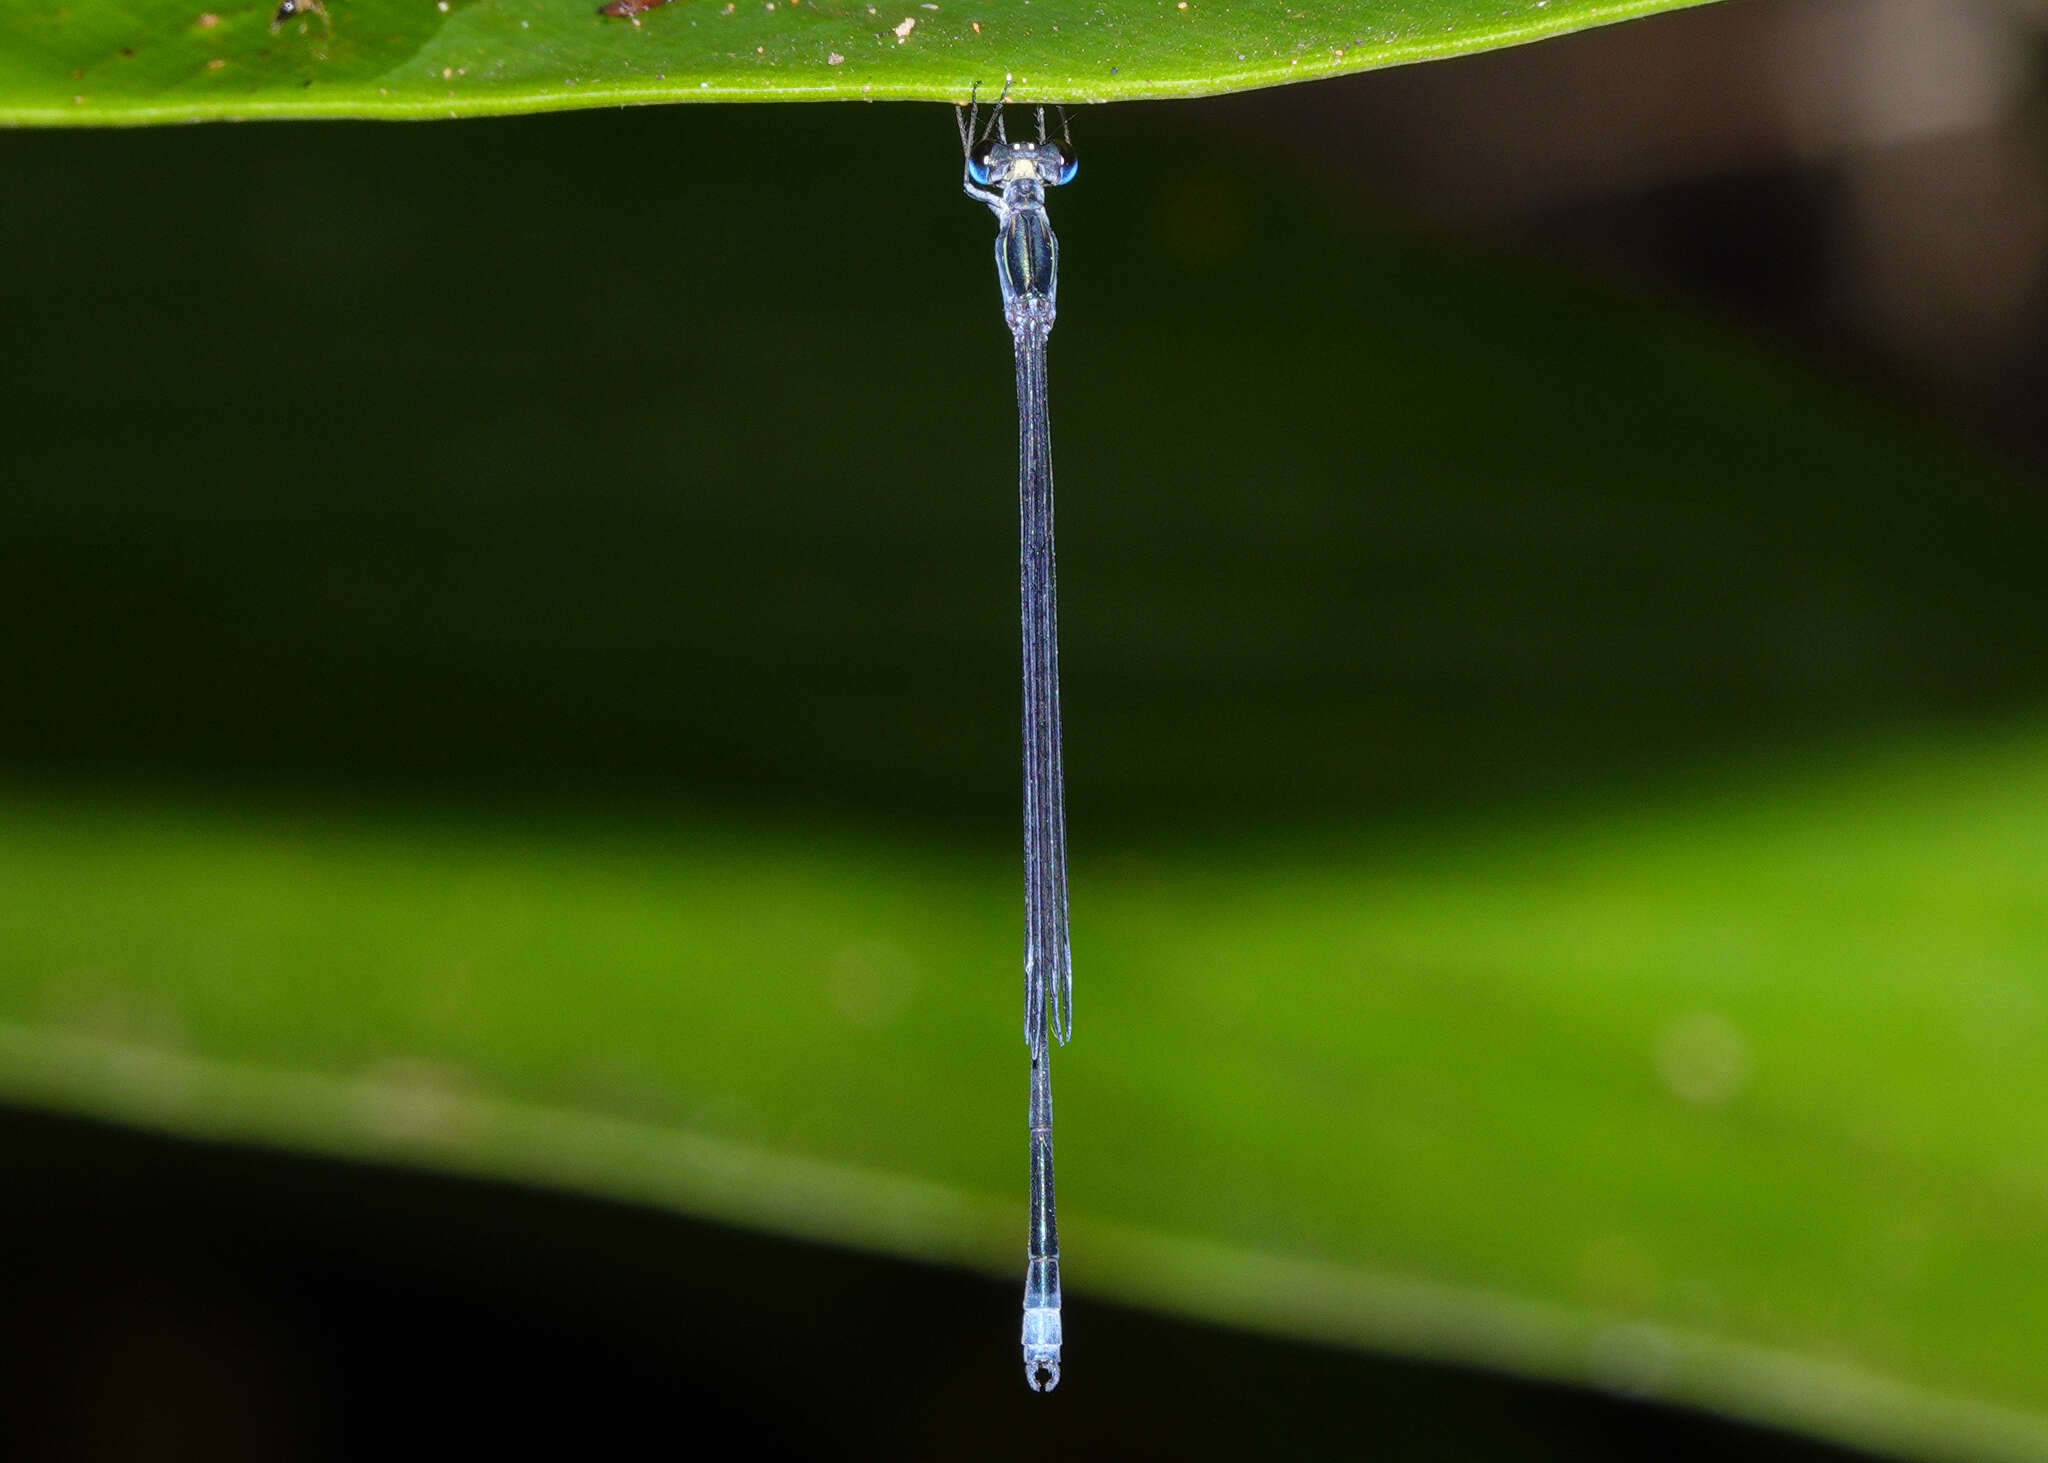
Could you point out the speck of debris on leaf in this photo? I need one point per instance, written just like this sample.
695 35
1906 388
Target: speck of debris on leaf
833 58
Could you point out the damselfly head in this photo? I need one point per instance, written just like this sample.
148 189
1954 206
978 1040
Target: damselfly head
993 162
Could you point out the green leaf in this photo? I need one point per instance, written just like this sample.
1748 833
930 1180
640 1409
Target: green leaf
74 62
1732 1098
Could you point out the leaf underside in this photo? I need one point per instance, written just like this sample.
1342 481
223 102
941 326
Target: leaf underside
179 60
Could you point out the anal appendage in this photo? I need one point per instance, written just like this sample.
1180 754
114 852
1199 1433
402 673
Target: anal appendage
1042 1325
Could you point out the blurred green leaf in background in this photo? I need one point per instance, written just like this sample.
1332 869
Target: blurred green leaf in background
510 672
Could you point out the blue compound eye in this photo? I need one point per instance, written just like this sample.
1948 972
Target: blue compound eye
978 159
1063 162
1073 166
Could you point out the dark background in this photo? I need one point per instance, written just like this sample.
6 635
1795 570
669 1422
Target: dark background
1490 431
